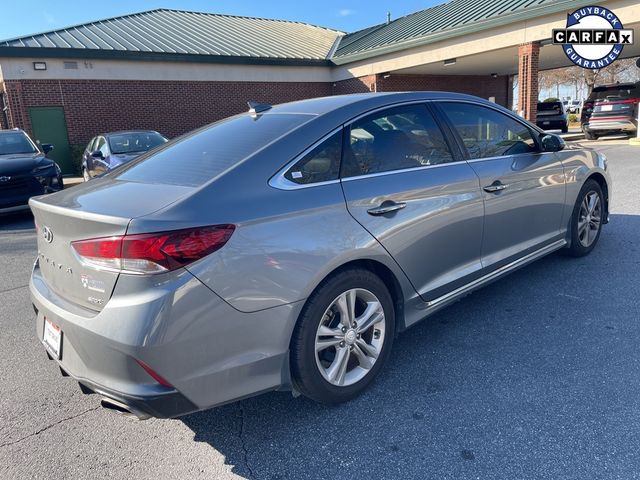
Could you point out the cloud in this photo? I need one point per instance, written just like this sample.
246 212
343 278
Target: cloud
345 12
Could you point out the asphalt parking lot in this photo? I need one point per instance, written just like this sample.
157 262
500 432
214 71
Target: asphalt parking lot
535 376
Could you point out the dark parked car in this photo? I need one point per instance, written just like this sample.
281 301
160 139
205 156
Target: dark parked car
611 109
110 150
552 116
24 171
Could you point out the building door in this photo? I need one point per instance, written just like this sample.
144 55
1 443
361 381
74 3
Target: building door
49 126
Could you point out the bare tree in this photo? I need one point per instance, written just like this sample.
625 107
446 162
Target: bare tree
581 79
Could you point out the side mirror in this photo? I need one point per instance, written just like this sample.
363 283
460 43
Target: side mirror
97 154
46 147
551 143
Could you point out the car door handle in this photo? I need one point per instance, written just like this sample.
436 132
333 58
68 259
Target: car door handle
496 187
386 207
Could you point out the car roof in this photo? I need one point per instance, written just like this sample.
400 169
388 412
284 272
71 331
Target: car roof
612 86
365 101
124 132
12 130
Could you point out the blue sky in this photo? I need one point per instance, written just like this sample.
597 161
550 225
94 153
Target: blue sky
23 17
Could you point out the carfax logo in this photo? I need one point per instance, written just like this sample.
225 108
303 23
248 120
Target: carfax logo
594 37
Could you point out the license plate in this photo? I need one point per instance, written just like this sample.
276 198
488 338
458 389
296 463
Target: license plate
52 337
606 108
546 123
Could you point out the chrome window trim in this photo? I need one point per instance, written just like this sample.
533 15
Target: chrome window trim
281 183
401 170
279 180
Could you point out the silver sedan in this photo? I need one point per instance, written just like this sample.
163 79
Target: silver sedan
284 248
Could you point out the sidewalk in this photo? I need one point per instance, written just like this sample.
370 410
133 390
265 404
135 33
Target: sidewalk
71 181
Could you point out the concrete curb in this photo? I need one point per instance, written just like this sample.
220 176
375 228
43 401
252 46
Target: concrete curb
573 136
71 181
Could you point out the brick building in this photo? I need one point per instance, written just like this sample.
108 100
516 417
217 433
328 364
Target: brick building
173 71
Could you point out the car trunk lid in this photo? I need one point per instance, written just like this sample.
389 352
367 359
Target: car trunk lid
100 208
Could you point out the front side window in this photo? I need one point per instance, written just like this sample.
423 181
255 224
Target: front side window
321 164
487 132
395 139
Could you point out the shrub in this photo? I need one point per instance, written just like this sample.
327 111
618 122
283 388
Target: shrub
551 99
76 157
573 118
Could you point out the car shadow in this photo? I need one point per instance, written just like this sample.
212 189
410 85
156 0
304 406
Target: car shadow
16 222
497 385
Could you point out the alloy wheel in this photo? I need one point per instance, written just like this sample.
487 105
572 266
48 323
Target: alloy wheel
350 337
590 218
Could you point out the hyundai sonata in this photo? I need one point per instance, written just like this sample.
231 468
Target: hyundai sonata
283 248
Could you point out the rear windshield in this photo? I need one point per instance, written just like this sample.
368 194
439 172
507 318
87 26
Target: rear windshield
14 143
197 158
615 92
549 106
135 142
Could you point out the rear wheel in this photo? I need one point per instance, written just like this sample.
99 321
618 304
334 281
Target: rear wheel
587 218
565 129
343 337
590 136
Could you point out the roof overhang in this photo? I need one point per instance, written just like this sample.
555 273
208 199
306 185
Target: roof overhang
564 6
96 54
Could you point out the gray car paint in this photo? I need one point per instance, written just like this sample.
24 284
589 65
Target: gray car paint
219 329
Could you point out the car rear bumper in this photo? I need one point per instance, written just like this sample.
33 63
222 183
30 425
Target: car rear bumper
610 126
550 124
207 351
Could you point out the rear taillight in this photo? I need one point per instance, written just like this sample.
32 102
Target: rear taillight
152 252
153 374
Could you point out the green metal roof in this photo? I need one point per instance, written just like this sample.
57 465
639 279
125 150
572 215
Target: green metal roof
447 20
178 33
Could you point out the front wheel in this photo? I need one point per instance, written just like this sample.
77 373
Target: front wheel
587 218
343 337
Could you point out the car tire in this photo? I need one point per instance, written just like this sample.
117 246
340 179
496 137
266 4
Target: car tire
590 136
565 129
331 363
85 175
584 236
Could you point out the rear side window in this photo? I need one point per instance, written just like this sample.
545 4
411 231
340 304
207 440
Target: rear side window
395 139
488 133
321 164
197 158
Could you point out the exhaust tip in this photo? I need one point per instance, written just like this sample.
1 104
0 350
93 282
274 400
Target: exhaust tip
122 409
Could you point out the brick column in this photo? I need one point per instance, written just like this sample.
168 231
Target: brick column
528 55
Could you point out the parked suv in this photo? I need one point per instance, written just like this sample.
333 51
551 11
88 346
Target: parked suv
611 109
552 116
24 171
